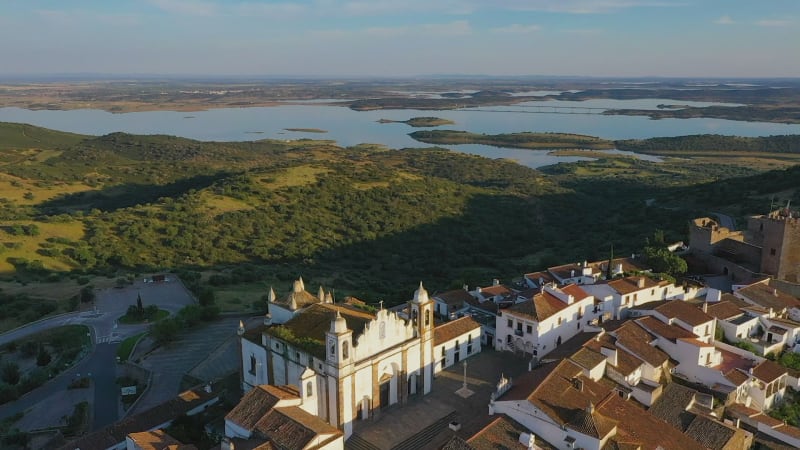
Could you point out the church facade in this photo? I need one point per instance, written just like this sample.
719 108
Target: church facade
350 362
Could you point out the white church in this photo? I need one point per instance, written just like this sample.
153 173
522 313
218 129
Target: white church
349 363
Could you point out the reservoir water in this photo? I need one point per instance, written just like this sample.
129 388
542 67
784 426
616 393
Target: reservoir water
348 127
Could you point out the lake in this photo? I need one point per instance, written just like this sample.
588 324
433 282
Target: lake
348 127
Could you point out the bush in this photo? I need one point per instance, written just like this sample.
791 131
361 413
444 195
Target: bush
8 393
165 331
87 294
10 373
73 303
43 358
29 348
33 380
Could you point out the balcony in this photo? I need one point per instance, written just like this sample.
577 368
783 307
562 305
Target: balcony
518 332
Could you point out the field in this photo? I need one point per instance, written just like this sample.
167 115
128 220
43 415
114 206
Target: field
365 221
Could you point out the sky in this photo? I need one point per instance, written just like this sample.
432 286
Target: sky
366 38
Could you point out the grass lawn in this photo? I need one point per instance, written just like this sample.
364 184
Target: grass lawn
240 297
126 347
161 314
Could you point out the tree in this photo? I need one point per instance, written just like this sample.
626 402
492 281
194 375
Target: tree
664 261
43 358
139 306
165 331
206 297
87 294
10 373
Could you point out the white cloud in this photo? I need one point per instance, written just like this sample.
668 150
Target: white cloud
774 23
455 28
724 20
580 6
186 7
516 29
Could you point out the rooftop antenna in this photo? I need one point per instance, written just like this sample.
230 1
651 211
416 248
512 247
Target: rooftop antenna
772 203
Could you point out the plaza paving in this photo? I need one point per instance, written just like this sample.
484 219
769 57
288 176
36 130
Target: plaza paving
400 423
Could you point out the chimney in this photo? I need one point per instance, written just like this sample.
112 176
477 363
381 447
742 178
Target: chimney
495 282
207 388
572 273
705 307
618 270
466 288
577 383
528 440
640 283
775 292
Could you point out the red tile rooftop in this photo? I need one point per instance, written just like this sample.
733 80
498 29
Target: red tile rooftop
732 361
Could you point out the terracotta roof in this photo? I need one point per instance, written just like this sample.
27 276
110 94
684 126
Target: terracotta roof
592 423
659 328
257 402
636 340
575 291
158 440
540 308
713 434
565 271
146 420
301 299
588 359
502 433
536 276
254 334
455 297
499 289
629 285
724 310
454 329
672 406
736 376
696 342
314 321
291 428
635 425
626 362
628 265
685 312
565 391
764 295
485 305
768 371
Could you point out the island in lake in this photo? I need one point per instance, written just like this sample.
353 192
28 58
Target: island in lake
419 122
306 130
513 140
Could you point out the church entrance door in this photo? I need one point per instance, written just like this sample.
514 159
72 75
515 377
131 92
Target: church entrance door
385 394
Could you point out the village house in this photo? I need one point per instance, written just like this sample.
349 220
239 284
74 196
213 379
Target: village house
778 302
539 325
619 295
449 345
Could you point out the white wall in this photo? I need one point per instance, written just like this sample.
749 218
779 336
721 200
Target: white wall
279 314
541 425
387 330
450 349
260 375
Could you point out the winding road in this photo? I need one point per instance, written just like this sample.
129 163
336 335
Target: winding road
100 363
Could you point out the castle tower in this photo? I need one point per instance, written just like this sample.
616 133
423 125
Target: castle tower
421 313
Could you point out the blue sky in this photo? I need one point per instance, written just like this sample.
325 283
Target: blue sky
695 38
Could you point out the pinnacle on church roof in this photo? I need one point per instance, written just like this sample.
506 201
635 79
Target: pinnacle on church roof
420 295
338 324
292 302
271 295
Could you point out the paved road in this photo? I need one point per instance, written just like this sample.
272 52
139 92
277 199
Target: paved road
106 335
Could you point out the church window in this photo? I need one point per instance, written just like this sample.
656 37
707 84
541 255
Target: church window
333 348
309 389
252 365
414 317
428 318
345 349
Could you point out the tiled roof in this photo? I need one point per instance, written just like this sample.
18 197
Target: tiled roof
635 425
768 371
736 376
588 359
497 289
536 276
313 322
764 295
540 308
724 310
637 340
292 428
626 362
158 440
672 406
711 433
628 265
254 334
454 329
456 443
591 423
565 391
685 312
575 291
146 420
301 299
659 328
629 285
455 297
502 433
486 305
566 271
696 342
256 403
